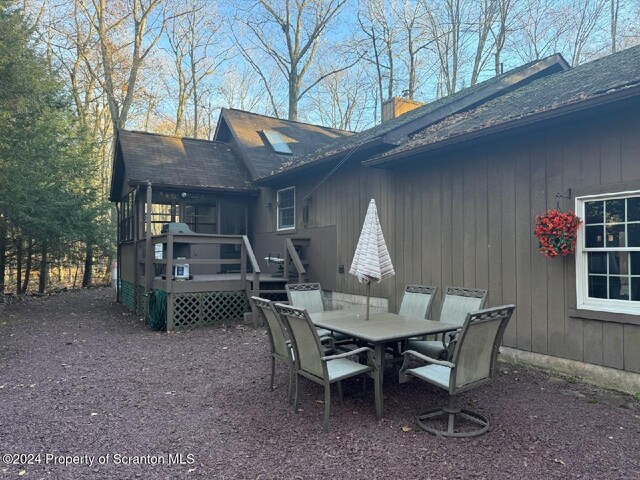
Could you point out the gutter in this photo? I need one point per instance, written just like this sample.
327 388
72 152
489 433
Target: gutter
169 186
592 102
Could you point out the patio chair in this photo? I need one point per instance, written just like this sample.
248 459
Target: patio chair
309 297
473 364
416 301
457 303
281 348
325 370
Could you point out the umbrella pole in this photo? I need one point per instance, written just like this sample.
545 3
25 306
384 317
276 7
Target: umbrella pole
368 297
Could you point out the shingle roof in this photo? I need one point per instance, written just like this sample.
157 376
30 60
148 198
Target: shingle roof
438 109
600 77
182 162
262 161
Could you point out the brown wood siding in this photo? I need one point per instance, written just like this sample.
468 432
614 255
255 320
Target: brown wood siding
466 218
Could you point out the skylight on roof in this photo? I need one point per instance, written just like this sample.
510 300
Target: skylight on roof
277 142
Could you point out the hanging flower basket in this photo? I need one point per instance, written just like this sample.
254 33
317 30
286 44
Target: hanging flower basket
556 232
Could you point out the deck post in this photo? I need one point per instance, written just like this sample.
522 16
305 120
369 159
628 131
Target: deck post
168 286
243 266
285 266
256 293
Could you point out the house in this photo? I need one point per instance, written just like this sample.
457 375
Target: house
458 183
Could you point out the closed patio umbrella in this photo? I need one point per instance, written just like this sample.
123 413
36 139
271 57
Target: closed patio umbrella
371 262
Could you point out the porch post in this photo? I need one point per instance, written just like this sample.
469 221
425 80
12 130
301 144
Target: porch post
148 263
136 241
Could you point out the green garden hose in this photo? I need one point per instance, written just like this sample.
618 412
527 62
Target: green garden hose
157 317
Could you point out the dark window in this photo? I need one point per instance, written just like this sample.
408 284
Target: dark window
202 217
612 247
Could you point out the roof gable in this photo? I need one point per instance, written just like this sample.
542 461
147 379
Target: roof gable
247 128
179 162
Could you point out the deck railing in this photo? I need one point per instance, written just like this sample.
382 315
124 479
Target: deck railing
247 263
290 252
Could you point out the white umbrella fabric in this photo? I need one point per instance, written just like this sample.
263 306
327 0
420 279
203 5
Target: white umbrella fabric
371 262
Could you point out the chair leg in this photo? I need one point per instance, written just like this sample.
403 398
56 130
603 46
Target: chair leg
340 391
291 386
327 406
452 411
273 371
296 389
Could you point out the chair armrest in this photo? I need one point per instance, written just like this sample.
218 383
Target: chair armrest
404 377
452 336
347 354
413 353
330 340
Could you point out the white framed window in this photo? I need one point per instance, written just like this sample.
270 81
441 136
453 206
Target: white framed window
286 212
608 252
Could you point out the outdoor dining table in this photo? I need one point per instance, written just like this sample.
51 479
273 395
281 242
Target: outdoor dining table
380 329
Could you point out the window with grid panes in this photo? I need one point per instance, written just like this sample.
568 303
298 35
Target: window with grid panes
286 199
608 253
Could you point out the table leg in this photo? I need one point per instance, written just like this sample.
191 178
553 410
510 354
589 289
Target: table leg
379 354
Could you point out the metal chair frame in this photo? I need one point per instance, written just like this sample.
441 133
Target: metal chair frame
466 370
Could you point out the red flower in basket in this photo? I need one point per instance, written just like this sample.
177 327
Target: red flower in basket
556 232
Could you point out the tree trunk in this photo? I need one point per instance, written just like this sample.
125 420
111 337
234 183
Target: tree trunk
293 97
27 273
107 275
18 267
75 276
43 269
88 267
3 254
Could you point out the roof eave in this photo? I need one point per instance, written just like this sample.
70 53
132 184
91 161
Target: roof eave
601 100
276 177
493 90
172 186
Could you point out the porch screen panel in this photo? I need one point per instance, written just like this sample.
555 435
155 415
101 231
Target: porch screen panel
202 217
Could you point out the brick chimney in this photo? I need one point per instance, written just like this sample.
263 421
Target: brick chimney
396 106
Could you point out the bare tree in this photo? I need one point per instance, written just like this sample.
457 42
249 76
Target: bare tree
377 20
444 22
290 32
615 12
341 100
583 17
238 89
127 32
486 14
502 26
193 36
540 27
415 42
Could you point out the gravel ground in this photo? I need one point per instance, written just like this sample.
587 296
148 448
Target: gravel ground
81 376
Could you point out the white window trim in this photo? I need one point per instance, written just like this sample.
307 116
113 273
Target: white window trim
583 301
292 227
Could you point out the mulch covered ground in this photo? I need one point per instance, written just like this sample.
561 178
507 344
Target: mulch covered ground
81 376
